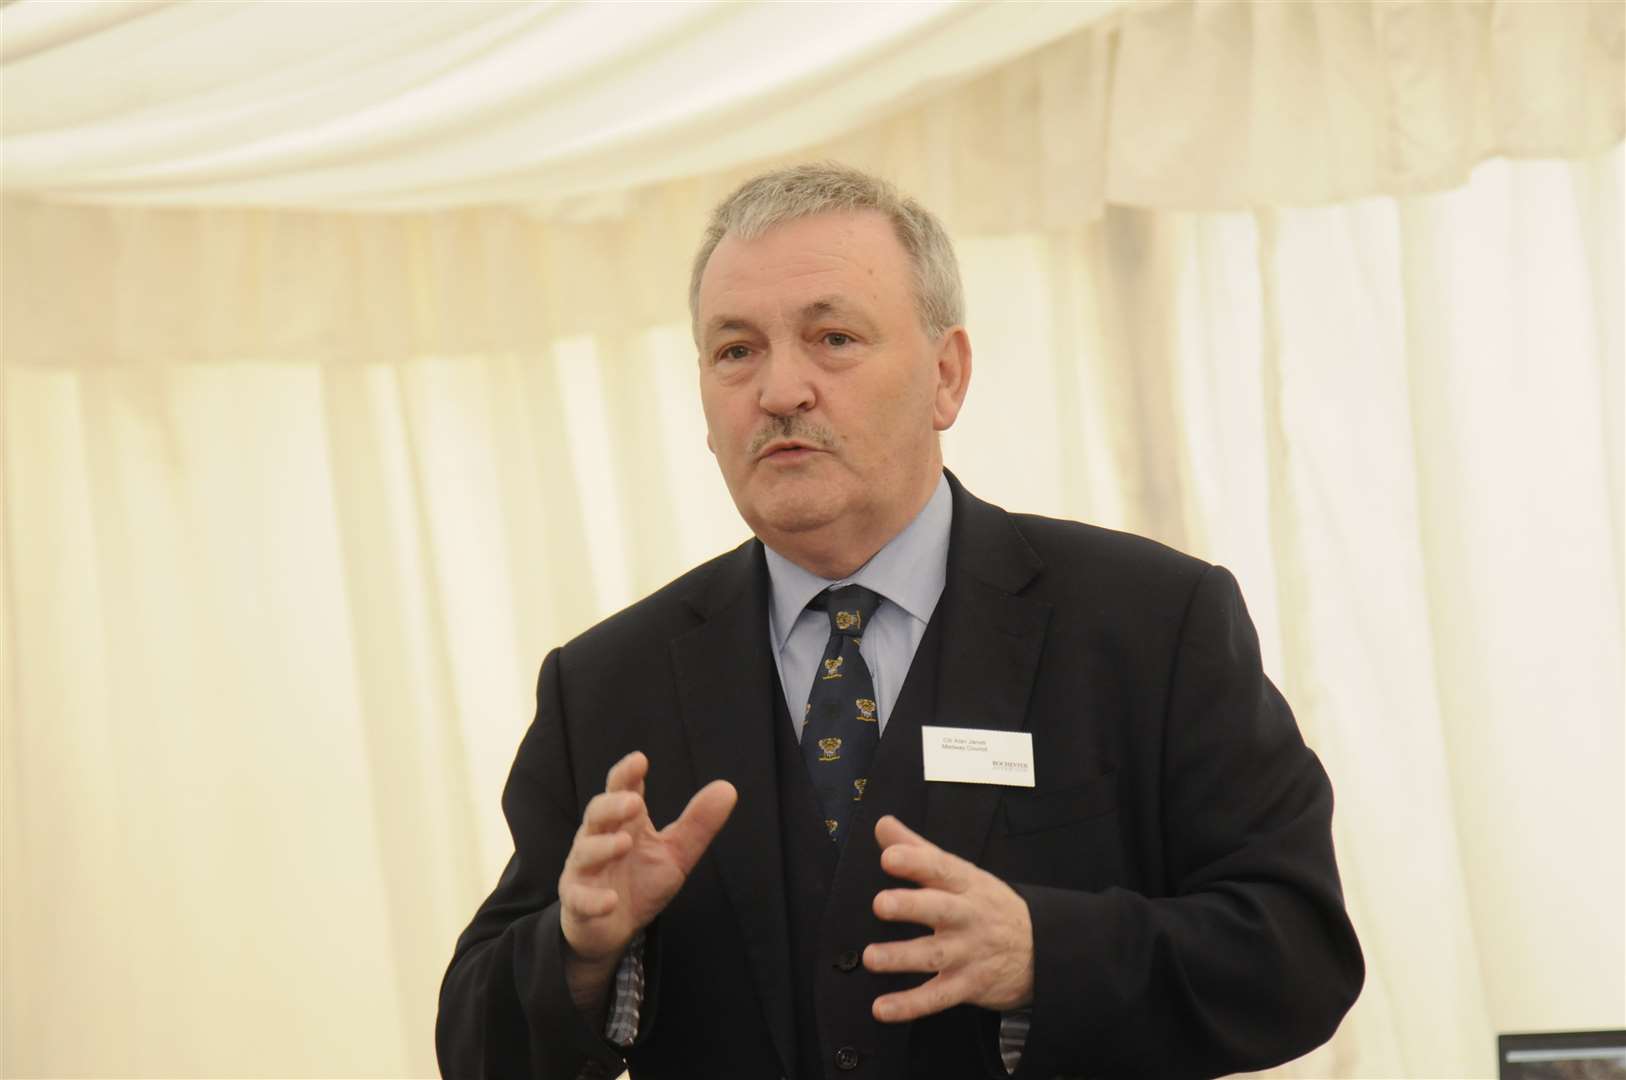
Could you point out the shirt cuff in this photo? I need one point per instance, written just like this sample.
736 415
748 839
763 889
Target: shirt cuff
621 1026
1013 1036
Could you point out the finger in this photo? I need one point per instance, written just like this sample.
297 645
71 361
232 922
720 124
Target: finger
926 864
889 830
586 901
628 773
590 852
693 831
933 996
933 953
609 810
929 907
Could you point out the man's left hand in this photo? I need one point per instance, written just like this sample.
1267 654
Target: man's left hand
980 950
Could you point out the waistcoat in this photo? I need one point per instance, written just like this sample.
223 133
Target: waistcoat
829 893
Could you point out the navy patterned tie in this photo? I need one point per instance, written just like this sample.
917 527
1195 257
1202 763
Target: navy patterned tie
842 722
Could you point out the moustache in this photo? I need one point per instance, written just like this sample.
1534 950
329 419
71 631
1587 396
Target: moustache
792 427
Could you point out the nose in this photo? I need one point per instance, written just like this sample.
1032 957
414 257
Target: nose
786 384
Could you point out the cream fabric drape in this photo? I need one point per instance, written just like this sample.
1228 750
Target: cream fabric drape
294 502
400 105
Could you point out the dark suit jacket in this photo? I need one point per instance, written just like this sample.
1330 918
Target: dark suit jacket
1176 854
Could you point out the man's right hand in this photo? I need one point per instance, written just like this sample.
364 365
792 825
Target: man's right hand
621 872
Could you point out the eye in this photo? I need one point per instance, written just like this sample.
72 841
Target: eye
836 339
734 352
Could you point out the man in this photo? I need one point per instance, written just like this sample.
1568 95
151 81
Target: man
842 886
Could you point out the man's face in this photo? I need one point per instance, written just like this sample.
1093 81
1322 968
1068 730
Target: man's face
823 395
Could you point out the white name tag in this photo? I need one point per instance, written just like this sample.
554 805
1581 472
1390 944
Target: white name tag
978 756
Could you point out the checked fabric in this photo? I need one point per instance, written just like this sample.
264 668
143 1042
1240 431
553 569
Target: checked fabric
842 724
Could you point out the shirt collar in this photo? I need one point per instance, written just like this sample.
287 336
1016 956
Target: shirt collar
909 570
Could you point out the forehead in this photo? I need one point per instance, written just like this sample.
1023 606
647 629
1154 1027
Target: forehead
855 255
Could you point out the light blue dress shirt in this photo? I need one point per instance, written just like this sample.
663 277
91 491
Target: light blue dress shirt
908 572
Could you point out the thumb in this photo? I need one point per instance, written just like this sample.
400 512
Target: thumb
692 833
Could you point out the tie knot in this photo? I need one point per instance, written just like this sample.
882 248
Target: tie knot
850 608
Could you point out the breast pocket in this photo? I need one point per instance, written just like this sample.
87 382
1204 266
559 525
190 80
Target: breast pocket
1067 837
1036 810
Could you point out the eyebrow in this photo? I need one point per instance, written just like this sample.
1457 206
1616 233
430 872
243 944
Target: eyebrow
726 324
827 305
815 309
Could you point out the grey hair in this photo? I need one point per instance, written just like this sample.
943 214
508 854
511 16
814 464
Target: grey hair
805 190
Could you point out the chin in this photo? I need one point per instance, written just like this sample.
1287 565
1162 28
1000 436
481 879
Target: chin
790 508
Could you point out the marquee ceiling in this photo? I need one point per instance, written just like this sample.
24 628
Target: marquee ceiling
395 105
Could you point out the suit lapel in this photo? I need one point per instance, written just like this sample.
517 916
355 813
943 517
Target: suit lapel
992 641
726 683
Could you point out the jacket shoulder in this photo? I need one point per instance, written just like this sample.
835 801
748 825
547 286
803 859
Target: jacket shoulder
1062 543
1104 567
1060 559
665 613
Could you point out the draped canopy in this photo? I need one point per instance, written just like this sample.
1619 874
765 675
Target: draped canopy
576 147
398 105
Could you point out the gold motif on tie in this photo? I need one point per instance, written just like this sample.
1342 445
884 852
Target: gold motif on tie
858 786
866 710
831 824
832 669
847 620
831 749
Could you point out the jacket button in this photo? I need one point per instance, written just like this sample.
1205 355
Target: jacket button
846 1059
847 961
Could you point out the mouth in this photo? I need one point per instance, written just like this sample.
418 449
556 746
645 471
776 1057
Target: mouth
787 451
786 446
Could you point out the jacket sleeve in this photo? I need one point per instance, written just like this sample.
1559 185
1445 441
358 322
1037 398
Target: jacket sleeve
504 1007
1249 959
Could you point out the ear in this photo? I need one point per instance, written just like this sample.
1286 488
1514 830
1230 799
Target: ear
953 377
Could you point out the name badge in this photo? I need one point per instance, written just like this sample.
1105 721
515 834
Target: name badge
978 756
